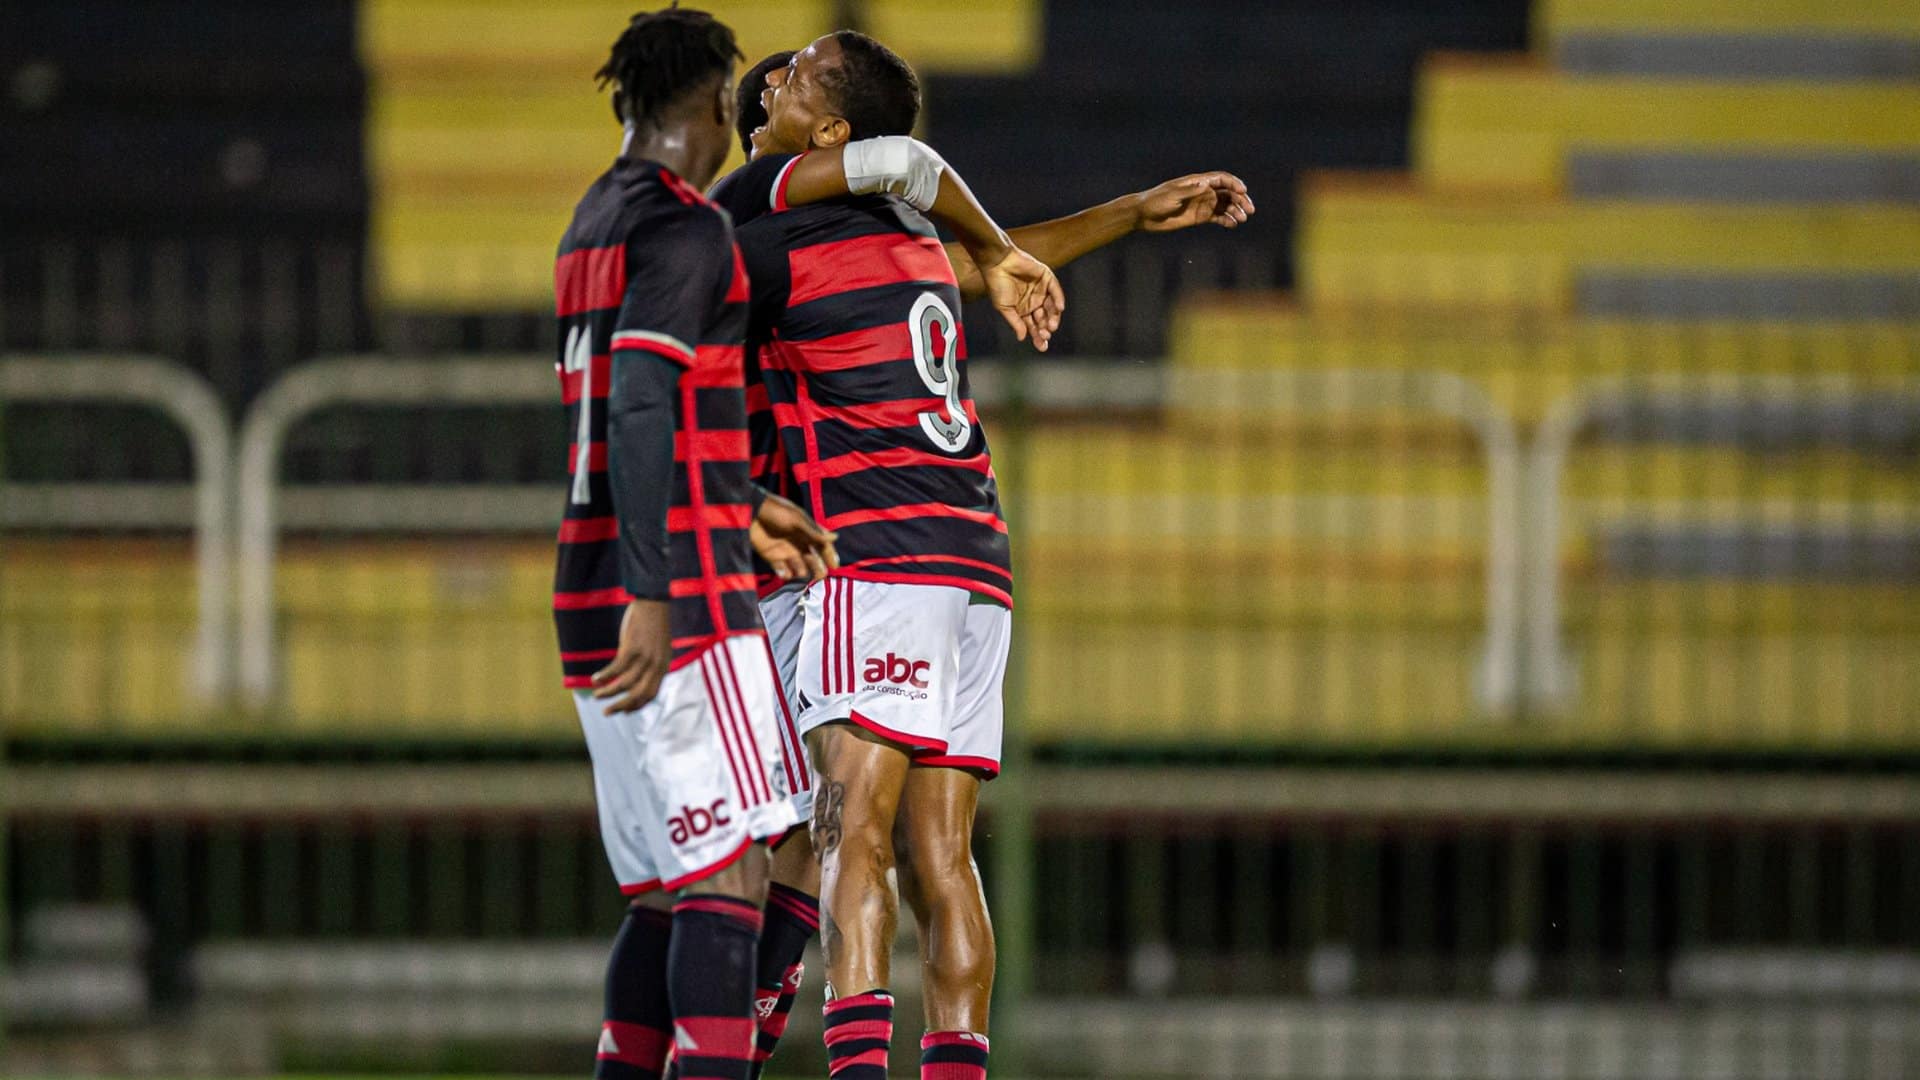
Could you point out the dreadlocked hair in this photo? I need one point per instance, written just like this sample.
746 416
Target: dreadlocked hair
661 56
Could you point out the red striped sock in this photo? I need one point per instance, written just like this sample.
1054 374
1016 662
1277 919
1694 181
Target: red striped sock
773 1007
638 1027
859 1029
792 917
953 1055
710 973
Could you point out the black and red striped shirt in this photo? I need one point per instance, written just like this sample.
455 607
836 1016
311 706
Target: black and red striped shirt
651 295
855 332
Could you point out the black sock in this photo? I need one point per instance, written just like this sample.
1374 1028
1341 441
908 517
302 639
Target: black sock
792 917
638 1026
710 974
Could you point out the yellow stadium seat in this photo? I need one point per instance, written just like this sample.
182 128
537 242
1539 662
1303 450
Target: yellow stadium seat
97 636
1509 124
1367 243
484 127
983 37
1892 18
1523 365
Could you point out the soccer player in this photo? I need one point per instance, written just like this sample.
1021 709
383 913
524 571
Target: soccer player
945 893
694 759
861 362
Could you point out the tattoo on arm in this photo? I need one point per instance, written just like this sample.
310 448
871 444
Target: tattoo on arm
827 805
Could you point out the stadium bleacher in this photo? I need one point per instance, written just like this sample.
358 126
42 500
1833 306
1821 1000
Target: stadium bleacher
1633 317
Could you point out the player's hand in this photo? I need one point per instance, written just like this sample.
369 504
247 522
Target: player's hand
1186 201
1027 295
646 648
792 542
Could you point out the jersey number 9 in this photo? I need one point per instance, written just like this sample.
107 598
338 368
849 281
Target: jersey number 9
940 370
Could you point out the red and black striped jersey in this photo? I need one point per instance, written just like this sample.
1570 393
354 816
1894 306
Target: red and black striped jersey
651 296
855 331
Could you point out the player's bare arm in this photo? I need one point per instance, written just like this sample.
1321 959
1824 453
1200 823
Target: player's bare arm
1022 288
790 540
1217 198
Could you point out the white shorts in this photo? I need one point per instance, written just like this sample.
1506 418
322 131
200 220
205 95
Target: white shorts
780 612
702 771
919 665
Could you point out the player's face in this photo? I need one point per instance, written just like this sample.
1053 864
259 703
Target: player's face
771 81
798 117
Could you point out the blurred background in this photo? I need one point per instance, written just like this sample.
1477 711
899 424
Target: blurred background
1469 618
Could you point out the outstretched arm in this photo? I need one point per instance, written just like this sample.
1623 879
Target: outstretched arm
1217 197
1022 288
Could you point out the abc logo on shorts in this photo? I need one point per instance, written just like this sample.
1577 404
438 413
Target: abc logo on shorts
693 822
897 669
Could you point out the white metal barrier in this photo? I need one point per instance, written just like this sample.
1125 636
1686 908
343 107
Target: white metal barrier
1497 675
361 380
191 403
1552 677
528 381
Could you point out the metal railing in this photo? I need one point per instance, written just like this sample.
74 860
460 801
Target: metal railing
299 393
1497 675
1347 907
1524 636
441 384
191 403
1552 677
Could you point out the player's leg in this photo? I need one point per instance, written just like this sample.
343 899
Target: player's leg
713 762
860 780
636 1029
792 912
941 881
792 917
939 874
710 970
875 680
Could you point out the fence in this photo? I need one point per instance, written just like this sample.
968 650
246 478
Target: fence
1308 767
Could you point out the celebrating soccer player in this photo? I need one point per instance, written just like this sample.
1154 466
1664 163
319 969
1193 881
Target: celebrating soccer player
854 306
936 810
694 759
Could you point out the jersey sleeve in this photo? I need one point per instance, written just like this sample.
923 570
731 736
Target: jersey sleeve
756 188
674 284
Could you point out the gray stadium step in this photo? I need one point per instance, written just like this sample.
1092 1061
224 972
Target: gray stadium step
1456 1040
1878 422
1821 57
1761 552
1744 178
1772 296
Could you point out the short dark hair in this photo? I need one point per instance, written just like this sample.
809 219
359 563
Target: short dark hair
874 90
661 56
751 114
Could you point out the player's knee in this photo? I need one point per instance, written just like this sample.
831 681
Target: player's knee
656 900
744 879
794 863
941 863
869 836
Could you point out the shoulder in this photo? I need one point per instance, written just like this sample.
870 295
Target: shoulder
755 188
681 230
